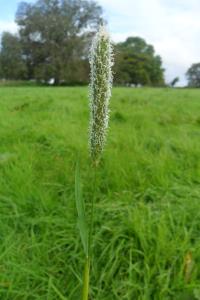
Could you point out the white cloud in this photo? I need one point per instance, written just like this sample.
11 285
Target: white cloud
172 26
8 26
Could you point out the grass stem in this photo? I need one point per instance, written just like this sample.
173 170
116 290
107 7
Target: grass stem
86 274
86 279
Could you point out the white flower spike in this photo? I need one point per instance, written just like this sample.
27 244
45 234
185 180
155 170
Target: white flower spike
101 62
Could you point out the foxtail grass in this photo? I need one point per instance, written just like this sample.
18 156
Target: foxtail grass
101 61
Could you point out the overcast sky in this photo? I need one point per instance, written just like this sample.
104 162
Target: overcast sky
171 26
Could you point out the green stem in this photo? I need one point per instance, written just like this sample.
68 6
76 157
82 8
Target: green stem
91 223
86 274
86 279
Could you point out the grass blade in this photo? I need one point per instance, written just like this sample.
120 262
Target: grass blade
58 292
80 206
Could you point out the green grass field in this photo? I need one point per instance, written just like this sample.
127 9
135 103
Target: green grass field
147 216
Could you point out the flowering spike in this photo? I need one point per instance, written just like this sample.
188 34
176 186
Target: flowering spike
101 61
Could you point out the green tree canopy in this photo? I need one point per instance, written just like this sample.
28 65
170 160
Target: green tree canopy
54 36
137 63
193 75
11 60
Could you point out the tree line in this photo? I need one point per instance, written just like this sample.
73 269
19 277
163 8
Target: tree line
52 44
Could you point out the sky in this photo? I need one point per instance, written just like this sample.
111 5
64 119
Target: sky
171 26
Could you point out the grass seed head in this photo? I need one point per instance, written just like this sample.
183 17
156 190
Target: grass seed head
101 62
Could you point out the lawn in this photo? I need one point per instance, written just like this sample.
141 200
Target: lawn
147 215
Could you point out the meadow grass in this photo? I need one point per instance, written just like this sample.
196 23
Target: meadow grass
147 218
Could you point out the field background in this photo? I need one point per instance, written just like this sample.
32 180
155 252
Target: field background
147 220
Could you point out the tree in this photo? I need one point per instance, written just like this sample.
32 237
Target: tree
174 81
193 75
136 63
54 36
11 62
1 71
